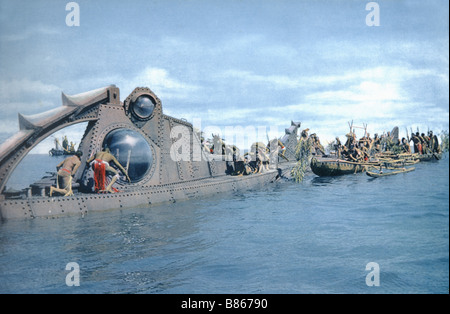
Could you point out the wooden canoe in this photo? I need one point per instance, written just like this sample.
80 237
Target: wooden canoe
396 163
333 167
389 156
390 173
430 157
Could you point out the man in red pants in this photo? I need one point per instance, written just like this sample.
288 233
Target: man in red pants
101 166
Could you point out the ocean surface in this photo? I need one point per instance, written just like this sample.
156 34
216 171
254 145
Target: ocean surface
314 237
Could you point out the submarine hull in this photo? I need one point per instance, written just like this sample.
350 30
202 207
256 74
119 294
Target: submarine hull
164 157
83 204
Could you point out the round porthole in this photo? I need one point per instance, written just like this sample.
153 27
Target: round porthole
132 150
143 107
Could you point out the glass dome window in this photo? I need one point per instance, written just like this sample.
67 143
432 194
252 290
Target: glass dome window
132 150
143 107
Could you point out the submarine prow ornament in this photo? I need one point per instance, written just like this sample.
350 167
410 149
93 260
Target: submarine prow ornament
141 137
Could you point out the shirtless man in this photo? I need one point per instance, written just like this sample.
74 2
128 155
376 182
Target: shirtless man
405 146
66 169
355 155
425 143
338 147
376 142
105 158
417 143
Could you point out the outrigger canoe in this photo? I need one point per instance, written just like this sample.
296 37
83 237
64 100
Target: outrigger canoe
430 157
333 167
392 163
388 156
390 173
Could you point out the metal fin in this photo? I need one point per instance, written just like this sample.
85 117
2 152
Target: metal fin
86 98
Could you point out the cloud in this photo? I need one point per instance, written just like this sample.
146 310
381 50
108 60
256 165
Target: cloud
161 82
366 91
29 33
24 96
13 90
9 126
366 100
373 92
160 79
395 73
383 96
276 81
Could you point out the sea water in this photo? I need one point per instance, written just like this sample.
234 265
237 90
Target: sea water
319 236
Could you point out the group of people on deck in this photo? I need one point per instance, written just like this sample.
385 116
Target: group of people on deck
100 163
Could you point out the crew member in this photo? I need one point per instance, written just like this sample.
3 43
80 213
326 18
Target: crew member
66 169
65 144
100 163
72 148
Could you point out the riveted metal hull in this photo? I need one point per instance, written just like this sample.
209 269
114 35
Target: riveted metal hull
145 197
159 174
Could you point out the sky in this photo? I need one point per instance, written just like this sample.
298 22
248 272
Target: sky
235 63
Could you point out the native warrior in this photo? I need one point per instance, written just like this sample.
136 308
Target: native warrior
405 146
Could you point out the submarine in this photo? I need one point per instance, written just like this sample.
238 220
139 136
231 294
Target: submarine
141 137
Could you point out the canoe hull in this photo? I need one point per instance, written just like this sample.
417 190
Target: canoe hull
326 168
385 174
430 157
